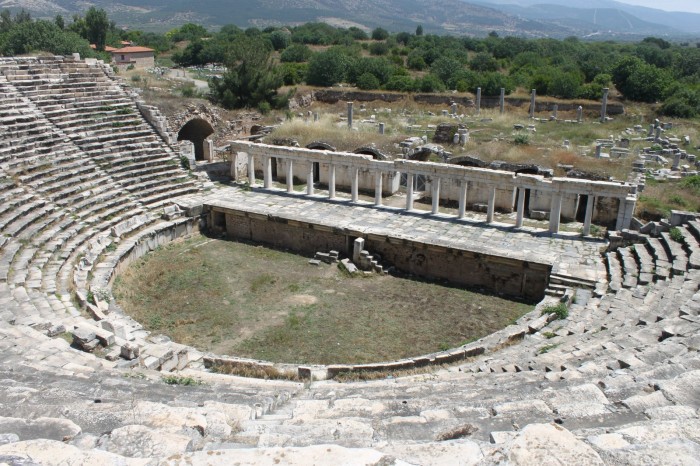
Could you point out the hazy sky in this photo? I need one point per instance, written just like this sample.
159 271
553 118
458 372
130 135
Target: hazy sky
669 5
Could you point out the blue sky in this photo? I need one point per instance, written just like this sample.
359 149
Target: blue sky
669 5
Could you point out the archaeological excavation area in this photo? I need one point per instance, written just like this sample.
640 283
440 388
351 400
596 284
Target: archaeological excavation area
604 370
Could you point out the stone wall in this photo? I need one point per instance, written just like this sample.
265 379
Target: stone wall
542 104
502 275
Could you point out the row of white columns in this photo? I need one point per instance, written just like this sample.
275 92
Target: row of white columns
354 180
554 216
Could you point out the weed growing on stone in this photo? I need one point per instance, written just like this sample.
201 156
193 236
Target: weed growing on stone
180 380
561 311
676 235
547 348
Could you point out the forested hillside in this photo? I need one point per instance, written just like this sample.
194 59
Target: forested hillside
261 61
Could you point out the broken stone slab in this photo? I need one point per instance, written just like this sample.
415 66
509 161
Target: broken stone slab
314 262
40 428
348 266
43 451
550 444
137 441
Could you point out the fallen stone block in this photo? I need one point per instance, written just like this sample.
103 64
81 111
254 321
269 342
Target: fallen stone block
130 351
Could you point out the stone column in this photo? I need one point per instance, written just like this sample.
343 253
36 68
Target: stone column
657 134
555 111
453 108
676 161
208 150
463 186
409 191
579 114
589 215
357 248
492 204
604 106
478 101
353 184
651 130
349 114
331 181
598 150
290 176
555 213
251 171
310 179
533 98
381 128
625 214
315 116
378 188
436 195
267 173
521 208
502 101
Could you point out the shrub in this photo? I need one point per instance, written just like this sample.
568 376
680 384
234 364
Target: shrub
522 139
561 311
368 81
676 235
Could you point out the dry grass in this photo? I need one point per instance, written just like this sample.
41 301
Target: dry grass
250 301
660 197
330 129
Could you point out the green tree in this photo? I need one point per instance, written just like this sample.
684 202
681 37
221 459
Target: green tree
97 24
379 48
639 81
296 53
368 81
380 34
419 30
251 79
483 62
445 68
280 40
327 68
60 22
43 36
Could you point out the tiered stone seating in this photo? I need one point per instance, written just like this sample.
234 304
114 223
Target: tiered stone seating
97 114
615 382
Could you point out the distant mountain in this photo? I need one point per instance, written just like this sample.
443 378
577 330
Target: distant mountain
675 22
474 17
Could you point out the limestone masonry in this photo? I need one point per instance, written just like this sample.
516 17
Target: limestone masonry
91 179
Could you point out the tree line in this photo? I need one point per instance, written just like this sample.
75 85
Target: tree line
260 61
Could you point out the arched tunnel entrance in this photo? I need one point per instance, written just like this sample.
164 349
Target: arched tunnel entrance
196 131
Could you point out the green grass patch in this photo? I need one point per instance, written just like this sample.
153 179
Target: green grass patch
246 300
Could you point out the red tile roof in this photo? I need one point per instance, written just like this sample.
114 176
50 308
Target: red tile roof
134 49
